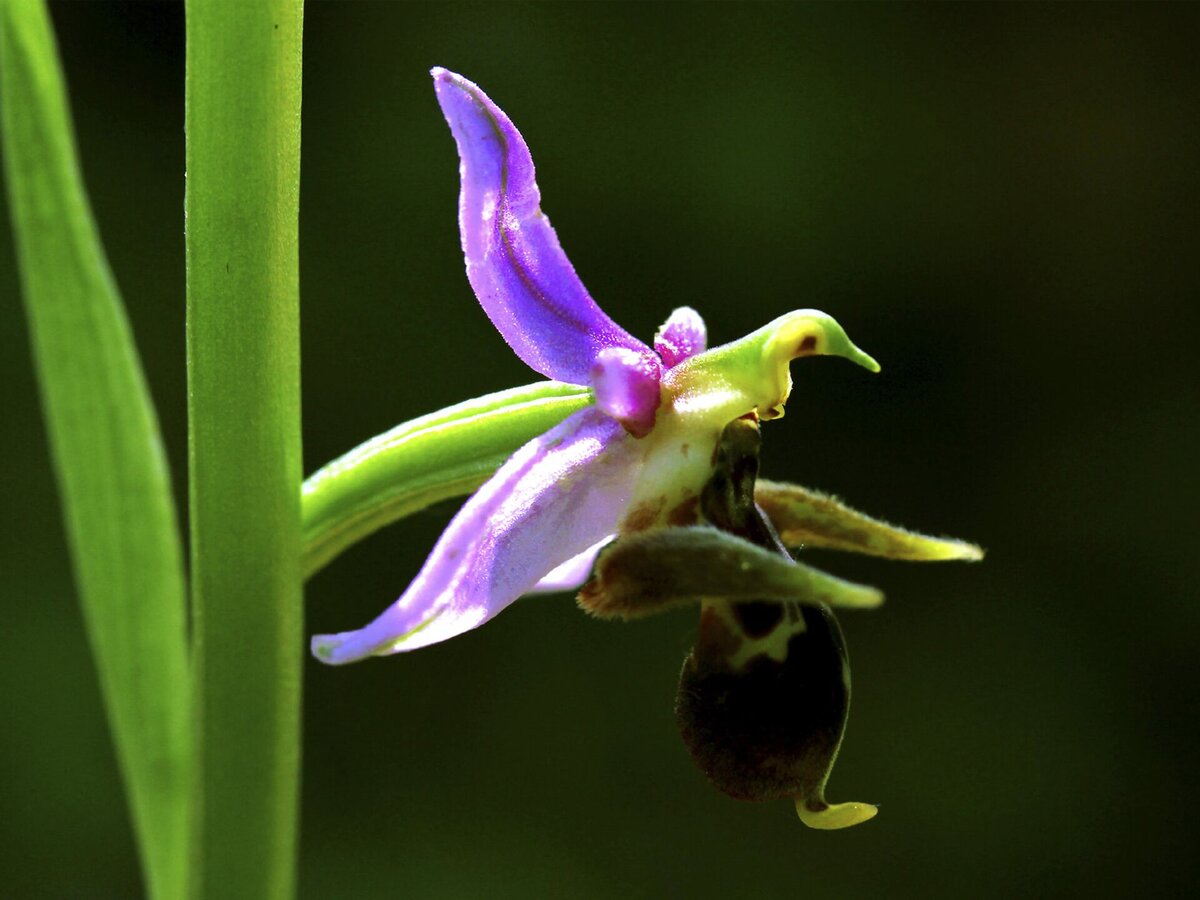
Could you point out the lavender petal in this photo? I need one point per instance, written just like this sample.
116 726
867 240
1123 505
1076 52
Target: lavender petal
520 274
684 334
571 575
555 497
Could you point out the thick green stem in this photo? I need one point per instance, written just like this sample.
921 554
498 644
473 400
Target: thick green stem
108 455
243 172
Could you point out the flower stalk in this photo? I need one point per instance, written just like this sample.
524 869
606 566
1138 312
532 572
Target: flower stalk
243 176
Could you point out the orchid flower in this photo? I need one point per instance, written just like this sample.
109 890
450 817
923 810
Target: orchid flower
665 460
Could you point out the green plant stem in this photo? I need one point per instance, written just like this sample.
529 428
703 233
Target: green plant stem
108 454
243 169
444 454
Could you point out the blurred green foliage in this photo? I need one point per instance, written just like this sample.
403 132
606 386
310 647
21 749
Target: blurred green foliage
999 202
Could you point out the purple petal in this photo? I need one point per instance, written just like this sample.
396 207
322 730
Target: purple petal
682 335
554 498
626 385
572 574
520 274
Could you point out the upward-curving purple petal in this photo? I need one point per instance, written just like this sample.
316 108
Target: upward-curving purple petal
520 274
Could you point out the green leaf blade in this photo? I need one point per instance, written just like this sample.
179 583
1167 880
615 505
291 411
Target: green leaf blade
108 454
243 168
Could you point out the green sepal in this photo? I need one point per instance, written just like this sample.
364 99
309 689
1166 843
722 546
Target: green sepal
646 573
448 453
806 518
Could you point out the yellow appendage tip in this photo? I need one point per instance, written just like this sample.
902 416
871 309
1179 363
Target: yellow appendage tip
837 815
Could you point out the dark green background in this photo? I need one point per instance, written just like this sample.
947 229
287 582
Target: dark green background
999 202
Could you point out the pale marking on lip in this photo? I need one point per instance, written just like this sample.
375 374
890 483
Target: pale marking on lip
773 645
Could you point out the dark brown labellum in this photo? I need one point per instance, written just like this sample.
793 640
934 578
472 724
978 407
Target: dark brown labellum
770 729
764 694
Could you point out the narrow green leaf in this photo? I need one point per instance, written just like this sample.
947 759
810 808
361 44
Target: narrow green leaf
243 176
444 454
108 455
